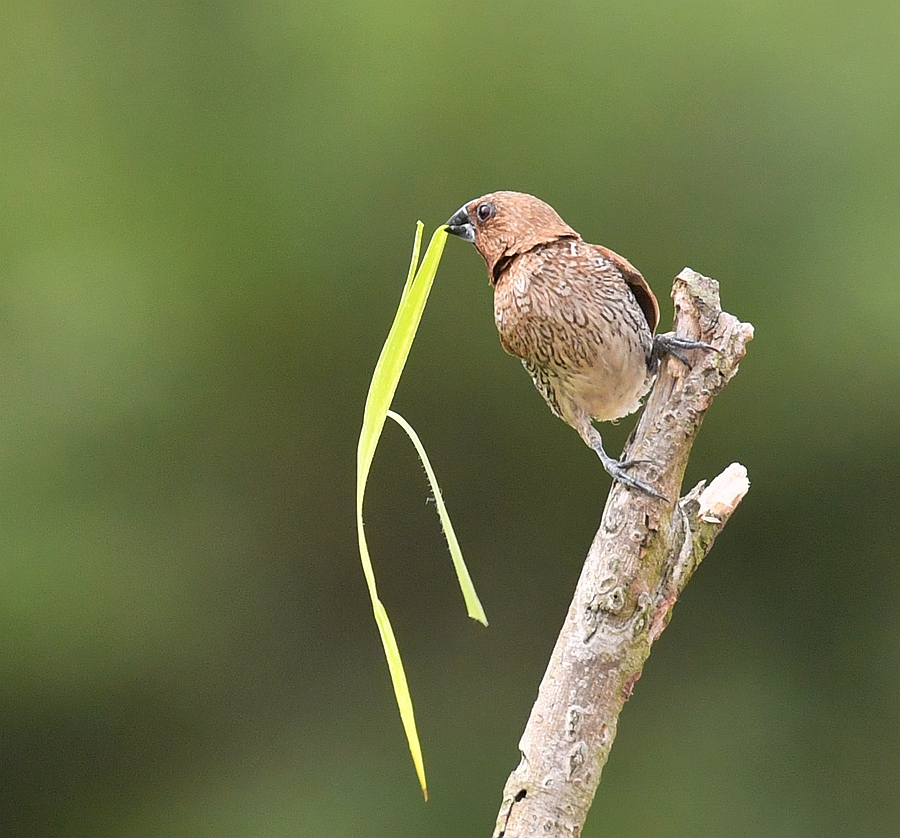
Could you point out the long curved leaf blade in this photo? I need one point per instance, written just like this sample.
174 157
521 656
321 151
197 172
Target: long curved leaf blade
381 391
473 604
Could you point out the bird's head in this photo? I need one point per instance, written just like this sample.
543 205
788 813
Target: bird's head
503 225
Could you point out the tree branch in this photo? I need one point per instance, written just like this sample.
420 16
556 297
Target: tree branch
641 559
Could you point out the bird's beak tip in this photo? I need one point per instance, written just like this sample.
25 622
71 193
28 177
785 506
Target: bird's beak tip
460 225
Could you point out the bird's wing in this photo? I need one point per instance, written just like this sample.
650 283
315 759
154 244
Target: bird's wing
642 293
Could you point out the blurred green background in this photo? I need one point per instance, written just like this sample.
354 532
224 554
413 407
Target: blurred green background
208 209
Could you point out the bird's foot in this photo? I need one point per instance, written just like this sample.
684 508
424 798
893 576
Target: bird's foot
636 461
618 470
671 344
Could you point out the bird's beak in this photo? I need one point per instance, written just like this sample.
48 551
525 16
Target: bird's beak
460 225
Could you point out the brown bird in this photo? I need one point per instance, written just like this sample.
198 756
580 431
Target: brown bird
579 316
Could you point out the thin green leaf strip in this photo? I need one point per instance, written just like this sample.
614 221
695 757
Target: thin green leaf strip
473 604
381 392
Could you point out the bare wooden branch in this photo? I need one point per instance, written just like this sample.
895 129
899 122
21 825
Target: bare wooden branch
641 558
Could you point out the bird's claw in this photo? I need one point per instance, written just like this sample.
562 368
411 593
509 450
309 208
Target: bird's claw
618 470
621 476
629 463
671 344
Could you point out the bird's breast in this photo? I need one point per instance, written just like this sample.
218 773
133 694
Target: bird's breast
569 312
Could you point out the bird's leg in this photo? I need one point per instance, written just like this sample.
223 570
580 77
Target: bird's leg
617 469
671 344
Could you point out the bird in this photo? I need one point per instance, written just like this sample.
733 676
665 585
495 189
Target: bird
580 317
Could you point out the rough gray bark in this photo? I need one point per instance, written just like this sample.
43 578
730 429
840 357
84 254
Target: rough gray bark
642 557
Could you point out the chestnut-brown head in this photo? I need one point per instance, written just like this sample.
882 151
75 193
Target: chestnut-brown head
503 225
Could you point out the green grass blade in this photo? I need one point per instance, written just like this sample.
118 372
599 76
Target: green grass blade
381 391
473 604
414 261
395 663
401 691
396 351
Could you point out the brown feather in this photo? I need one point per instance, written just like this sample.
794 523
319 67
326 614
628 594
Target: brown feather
579 316
645 297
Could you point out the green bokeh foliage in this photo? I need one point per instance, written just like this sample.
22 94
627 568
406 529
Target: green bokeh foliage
206 216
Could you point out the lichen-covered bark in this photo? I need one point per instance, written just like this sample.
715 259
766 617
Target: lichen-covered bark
641 558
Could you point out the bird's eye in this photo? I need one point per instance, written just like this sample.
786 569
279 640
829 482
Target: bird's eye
485 211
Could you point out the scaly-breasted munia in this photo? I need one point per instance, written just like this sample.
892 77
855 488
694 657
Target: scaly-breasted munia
579 316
